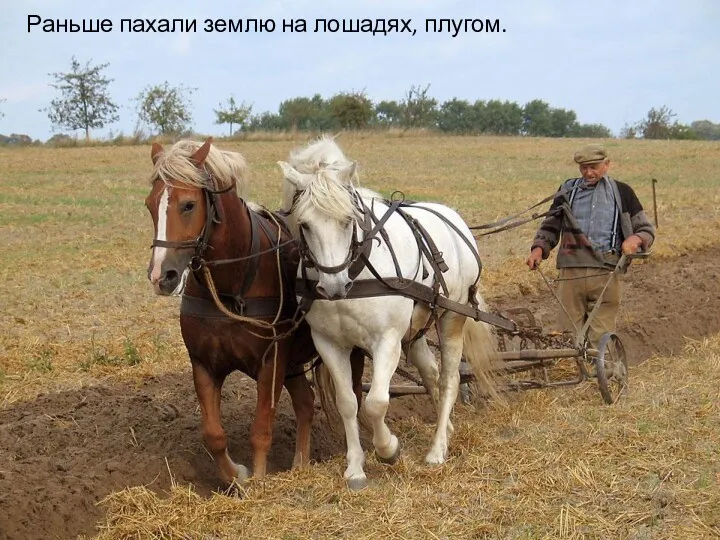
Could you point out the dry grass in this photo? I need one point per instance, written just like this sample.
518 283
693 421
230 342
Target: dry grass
75 307
74 300
553 464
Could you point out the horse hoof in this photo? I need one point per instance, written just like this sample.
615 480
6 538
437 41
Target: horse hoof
356 484
435 458
392 460
241 473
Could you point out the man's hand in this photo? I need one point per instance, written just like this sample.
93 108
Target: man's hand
631 244
533 261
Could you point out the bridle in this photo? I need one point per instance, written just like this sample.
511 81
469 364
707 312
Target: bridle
358 254
312 262
201 243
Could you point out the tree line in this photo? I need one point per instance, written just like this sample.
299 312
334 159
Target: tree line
84 103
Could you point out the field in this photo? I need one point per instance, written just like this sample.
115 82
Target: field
98 420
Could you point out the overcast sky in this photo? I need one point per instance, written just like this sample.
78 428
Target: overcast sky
609 61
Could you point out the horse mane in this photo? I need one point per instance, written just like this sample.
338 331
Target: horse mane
328 192
174 165
318 154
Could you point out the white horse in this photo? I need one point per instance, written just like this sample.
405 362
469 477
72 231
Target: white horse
326 215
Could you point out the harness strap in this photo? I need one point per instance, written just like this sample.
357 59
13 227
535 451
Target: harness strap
369 288
258 308
470 245
428 249
252 264
366 247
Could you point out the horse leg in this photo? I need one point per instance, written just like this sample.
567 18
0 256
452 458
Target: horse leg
303 402
209 391
451 344
270 379
385 360
419 355
337 362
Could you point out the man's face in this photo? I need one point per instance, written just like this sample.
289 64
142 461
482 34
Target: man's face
593 172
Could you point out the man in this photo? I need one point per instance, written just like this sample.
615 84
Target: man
595 219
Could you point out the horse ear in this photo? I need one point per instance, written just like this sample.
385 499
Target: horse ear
292 175
349 173
201 153
155 152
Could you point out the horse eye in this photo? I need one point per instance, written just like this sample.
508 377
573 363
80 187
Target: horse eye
187 206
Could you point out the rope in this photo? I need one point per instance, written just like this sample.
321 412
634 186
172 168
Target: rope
279 312
239 318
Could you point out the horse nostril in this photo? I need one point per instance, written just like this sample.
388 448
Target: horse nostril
348 286
321 291
171 276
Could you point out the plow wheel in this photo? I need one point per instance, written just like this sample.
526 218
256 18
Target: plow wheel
612 370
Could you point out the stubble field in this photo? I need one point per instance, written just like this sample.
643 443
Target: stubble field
96 394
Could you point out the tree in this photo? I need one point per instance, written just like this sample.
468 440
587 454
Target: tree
706 130
84 102
418 109
306 113
388 114
657 124
165 108
629 131
457 116
499 117
562 122
598 131
234 114
351 110
266 121
537 120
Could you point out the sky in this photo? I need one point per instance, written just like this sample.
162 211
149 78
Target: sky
609 61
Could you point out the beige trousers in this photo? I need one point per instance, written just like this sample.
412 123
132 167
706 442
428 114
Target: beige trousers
579 290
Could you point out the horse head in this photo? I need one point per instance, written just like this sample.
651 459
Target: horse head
324 216
181 217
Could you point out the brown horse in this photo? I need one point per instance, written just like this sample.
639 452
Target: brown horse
208 239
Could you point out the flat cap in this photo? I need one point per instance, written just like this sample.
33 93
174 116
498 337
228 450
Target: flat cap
592 153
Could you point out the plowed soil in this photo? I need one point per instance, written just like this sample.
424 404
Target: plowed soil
63 452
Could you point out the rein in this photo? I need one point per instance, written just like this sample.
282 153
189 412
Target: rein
512 222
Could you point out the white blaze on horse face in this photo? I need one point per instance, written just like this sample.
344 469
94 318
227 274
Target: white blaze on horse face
160 252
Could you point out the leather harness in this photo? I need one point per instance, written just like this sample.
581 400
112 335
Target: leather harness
259 308
358 258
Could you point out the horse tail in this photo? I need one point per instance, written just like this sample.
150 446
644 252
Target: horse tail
480 351
326 390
